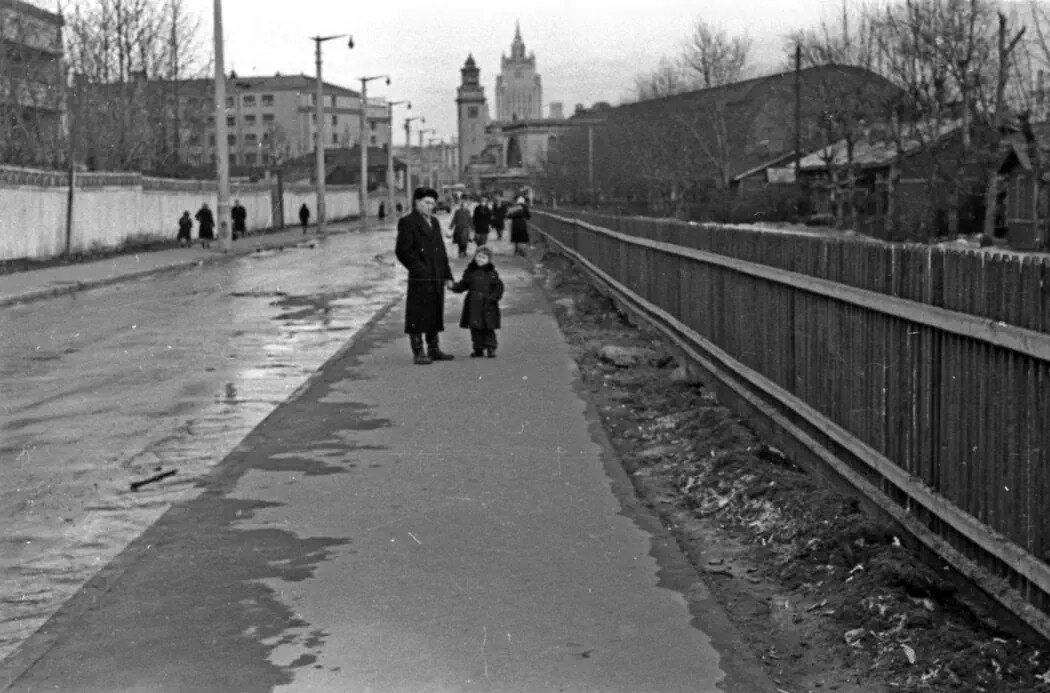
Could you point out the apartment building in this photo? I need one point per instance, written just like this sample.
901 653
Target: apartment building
269 120
32 84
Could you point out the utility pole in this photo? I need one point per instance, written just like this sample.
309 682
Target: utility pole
363 192
590 161
319 144
222 147
390 154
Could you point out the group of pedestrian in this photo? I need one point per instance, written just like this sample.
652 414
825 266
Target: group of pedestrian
206 225
420 247
466 226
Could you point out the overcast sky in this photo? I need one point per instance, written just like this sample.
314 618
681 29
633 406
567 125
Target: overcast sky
586 50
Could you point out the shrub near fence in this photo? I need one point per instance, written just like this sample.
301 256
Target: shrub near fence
110 209
934 364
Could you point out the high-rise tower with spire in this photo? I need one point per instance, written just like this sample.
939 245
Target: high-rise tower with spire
519 90
472 113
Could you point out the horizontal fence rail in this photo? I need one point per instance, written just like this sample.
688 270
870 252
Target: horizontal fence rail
925 370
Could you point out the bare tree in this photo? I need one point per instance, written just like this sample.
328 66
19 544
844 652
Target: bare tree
667 79
129 57
715 57
1006 47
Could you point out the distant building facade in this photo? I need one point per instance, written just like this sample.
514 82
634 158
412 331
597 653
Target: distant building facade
519 90
269 120
32 84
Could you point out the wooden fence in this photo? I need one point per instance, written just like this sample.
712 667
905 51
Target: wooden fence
924 371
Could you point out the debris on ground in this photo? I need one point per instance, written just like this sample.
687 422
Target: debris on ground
827 597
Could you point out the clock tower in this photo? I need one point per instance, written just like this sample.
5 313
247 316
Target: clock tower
473 114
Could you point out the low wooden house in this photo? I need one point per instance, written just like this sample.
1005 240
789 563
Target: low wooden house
913 169
1027 195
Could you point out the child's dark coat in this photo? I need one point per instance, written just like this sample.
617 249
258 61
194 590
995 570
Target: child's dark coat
484 290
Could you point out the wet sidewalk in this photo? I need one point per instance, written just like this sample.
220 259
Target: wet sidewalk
19 287
462 526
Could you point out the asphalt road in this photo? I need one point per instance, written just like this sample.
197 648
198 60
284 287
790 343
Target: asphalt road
167 371
381 527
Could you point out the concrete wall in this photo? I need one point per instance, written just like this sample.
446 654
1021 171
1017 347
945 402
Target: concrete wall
110 209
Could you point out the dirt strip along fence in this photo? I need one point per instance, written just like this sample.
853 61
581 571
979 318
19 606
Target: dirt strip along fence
919 375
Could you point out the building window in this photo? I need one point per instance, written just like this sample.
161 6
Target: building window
195 140
229 102
335 138
249 158
267 99
335 120
267 117
313 117
373 139
211 140
211 120
472 111
231 139
229 120
250 137
373 124
249 119
249 100
333 101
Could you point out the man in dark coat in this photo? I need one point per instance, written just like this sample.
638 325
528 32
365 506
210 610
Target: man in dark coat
482 219
304 216
239 215
420 248
499 214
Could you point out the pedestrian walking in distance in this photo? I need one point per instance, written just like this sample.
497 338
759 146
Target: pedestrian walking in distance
185 236
499 214
481 314
304 216
205 225
239 215
461 227
482 219
519 226
420 247
382 211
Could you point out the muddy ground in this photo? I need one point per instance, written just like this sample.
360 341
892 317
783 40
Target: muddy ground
828 598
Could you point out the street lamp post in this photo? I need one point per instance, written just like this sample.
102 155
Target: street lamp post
363 192
222 147
320 142
408 154
432 176
390 153
423 131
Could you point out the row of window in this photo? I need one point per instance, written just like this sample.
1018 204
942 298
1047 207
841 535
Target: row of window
250 119
248 100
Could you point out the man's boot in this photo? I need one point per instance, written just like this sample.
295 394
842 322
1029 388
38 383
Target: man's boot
419 357
434 350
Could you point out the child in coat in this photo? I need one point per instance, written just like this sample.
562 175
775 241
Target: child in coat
481 313
185 230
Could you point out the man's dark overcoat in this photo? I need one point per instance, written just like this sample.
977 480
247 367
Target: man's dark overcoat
482 219
421 249
484 290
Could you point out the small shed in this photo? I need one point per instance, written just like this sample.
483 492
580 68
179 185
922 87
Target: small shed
1027 210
